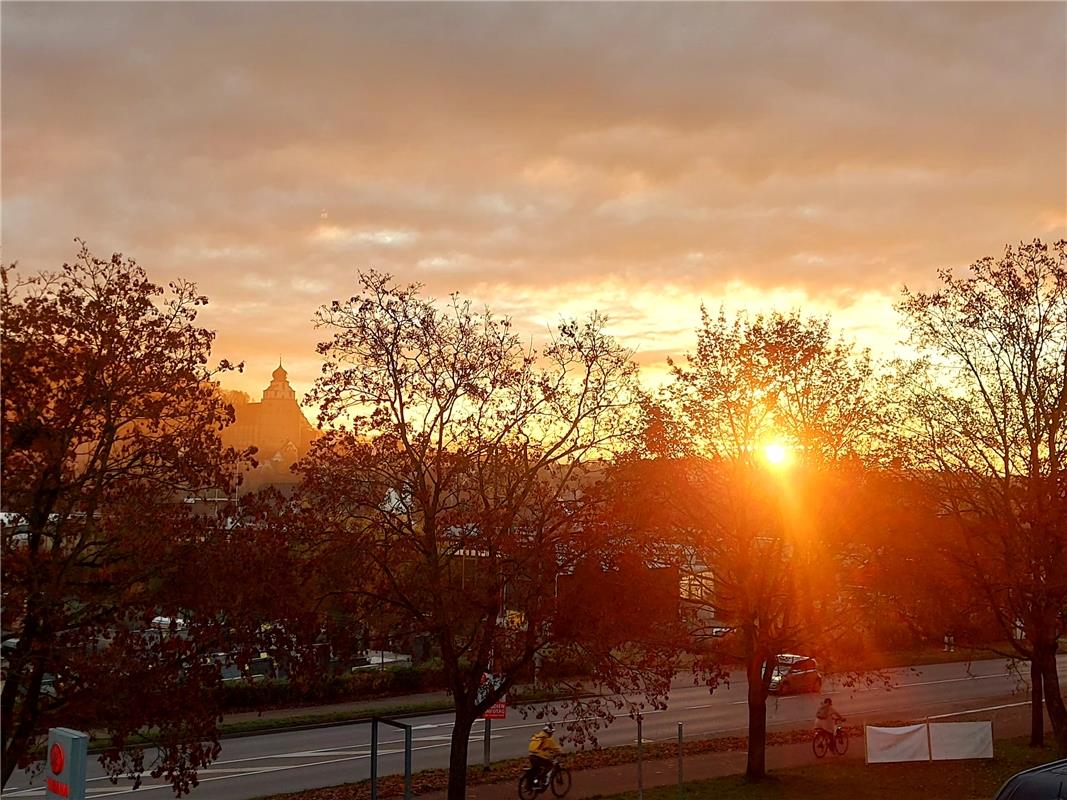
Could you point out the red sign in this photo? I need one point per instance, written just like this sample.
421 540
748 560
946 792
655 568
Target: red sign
498 710
55 758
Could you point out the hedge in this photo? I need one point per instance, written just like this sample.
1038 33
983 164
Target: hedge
338 688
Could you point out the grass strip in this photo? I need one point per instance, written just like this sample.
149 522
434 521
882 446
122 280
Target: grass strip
854 780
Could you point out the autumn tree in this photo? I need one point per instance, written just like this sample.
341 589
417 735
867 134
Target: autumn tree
758 441
460 483
109 418
982 426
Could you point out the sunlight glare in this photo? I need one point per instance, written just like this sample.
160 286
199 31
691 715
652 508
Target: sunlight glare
776 454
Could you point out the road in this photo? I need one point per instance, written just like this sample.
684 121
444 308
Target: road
255 766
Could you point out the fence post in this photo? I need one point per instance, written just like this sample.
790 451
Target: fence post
681 783
640 764
407 762
374 759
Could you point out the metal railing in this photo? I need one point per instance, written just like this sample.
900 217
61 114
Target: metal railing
374 755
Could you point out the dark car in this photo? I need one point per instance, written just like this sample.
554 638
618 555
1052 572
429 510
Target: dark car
1047 782
794 674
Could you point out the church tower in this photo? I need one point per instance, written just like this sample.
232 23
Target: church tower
277 428
279 388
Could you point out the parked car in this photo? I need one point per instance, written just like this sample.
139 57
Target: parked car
1047 782
794 674
261 667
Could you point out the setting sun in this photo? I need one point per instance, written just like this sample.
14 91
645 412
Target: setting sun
777 454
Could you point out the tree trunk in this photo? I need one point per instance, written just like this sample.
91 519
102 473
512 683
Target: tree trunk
1057 713
756 767
17 731
457 759
1037 711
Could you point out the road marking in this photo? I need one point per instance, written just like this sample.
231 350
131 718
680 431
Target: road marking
845 689
262 771
337 752
980 710
951 680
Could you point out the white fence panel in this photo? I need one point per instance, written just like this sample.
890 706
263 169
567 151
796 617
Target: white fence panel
892 745
953 740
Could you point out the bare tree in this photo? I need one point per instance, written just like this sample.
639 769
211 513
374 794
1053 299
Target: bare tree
983 410
466 483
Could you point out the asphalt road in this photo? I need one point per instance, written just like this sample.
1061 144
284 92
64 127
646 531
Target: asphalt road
255 766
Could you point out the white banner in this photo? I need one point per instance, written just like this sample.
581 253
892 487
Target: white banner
890 745
952 740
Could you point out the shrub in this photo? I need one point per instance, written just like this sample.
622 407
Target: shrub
364 684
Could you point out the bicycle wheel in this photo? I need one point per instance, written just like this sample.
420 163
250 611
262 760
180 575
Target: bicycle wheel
841 742
526 787
820 743
561 781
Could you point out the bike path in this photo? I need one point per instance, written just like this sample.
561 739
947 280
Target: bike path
591 783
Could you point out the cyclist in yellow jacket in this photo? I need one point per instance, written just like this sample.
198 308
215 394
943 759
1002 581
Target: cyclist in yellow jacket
544 749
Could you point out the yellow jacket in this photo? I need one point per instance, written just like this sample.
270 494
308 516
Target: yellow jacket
542 744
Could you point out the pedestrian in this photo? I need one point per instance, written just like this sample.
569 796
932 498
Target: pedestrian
952 641
946 641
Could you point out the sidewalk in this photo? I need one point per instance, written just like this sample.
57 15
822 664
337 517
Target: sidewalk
601 781
623 778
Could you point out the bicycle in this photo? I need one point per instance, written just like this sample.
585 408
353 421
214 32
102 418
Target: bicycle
558 779
822 742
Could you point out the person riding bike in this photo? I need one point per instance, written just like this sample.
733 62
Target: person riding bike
543 751
827 718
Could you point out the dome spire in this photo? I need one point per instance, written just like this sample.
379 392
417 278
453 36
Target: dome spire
279 388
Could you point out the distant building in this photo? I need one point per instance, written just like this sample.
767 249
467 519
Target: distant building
276 426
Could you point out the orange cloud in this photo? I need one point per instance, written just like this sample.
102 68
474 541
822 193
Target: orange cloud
545 158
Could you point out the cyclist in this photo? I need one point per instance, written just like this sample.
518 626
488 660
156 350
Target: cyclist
543 750
827 718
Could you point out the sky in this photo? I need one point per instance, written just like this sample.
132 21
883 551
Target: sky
544 159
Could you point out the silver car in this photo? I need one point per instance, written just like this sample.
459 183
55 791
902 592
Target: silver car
794 674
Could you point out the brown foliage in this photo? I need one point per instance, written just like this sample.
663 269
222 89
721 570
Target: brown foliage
110 417
466 483
765 548
982 421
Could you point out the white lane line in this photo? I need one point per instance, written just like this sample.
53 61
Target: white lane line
951 680
980 710
847 690
262 771
337 752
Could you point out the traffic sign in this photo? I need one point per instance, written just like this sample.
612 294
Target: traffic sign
499 709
